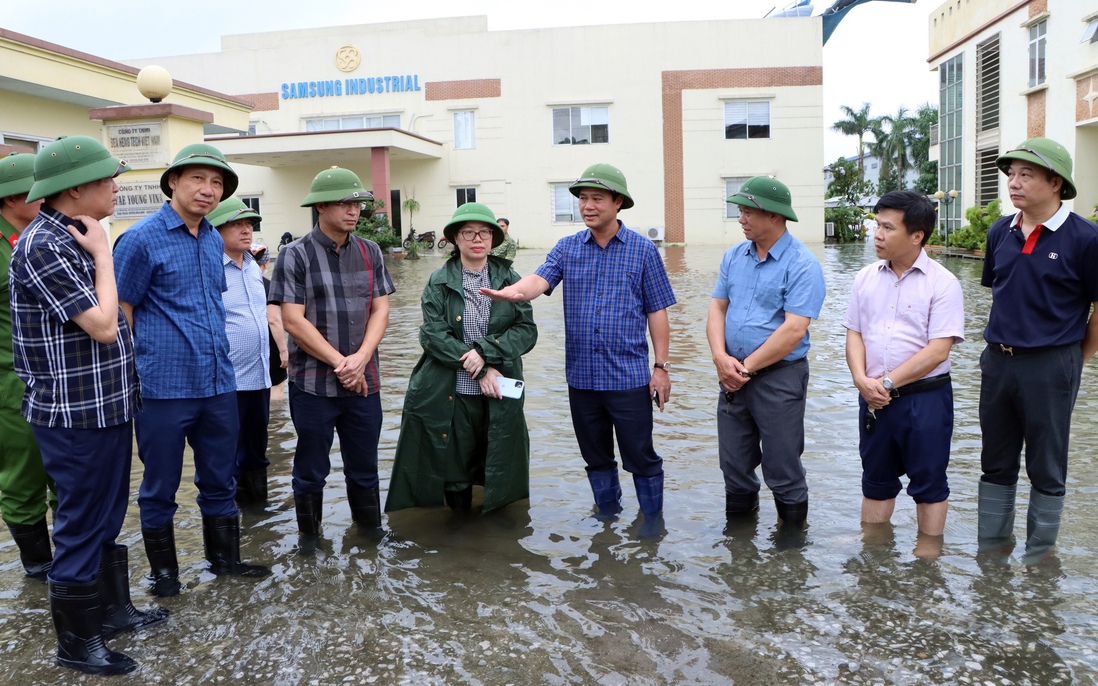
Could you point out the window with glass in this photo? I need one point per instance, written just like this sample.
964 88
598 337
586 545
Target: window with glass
745 119
950 111
465 130
1037 41
465 195
380 121
17 140
566 206
731 187
253 204
581 125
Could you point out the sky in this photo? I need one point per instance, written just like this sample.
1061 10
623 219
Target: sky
877 55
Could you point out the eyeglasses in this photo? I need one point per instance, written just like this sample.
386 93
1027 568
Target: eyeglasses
1041 157
483 234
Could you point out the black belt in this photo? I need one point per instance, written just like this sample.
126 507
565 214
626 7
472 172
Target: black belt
921 386
1012 350
780 364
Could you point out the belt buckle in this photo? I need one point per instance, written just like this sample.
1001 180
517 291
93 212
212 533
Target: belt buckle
1007 349
894 393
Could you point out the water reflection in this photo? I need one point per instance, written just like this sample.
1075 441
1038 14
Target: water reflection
542 592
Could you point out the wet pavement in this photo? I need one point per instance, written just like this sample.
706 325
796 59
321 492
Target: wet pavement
543 593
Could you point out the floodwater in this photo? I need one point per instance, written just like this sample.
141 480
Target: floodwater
543 593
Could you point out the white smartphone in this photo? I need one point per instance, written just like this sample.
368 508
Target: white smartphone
510 388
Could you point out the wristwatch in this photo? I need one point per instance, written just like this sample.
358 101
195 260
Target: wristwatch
887 383
665 366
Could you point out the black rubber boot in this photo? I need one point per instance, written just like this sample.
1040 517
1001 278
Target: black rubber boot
164 568
251 488
739 506
221 536
33 541
366 505
792 514
78 620
459 501
119 614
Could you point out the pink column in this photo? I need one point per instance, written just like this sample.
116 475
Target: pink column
380 178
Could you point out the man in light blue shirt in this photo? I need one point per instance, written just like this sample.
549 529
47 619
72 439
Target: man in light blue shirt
769 290
248 332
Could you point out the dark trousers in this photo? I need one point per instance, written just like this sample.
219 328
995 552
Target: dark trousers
24 487
763 424
90 469
1028 398
210 426
357 420
598 415
254 410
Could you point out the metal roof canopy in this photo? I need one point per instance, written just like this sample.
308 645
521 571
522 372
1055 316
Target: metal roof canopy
320 148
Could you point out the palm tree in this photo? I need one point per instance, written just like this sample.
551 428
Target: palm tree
857 123
895 135
411 206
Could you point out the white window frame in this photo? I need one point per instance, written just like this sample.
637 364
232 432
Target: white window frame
751 112
1038 51
353 121
557 193
593 115
465 191
732 185
465 130
20 138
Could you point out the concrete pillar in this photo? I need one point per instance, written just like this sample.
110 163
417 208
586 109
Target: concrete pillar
381 179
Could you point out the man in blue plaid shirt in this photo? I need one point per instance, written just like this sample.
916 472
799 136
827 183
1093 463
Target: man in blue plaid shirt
615 288
74 350
170 285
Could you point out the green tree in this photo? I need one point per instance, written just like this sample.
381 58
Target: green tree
849 186
857 123
411 206
894 135
374 225
925 118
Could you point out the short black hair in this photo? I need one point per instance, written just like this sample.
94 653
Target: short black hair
505 220
918 211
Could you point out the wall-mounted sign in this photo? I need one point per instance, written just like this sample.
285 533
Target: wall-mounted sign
141 145
348 58
138 199
339 87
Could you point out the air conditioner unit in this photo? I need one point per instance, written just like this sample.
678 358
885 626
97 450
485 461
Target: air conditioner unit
829 229
655 233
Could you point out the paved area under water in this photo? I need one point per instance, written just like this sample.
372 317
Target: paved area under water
543 593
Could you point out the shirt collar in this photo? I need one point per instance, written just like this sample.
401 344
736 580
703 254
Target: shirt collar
777 250
173 221
324 241
620 235
226 260
920 263
1054 222
55 216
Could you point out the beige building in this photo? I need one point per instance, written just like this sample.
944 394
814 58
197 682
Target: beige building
47 90
446 111
1011 70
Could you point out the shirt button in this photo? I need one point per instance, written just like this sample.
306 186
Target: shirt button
449 398
458 318
444 437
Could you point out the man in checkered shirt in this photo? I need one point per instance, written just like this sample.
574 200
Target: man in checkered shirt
615 287
334 290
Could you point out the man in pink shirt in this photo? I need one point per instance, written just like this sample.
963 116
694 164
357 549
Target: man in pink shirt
906 312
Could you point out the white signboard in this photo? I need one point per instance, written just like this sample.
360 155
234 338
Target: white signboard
138 199
141 145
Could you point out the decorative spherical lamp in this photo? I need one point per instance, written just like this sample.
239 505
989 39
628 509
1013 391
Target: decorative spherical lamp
154 82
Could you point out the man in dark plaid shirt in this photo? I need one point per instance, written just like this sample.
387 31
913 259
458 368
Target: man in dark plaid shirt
74 350
334 291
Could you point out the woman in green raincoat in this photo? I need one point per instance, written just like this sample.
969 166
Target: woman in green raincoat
457 429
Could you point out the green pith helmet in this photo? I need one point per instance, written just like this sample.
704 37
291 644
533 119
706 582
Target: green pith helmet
765 193
16 174
201 155
336 185
229 211
473 212
606 177
69 162
1045 153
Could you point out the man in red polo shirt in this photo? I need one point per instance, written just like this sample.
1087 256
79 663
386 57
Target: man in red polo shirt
1042 268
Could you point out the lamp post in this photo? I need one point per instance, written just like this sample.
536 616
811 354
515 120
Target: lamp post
946 199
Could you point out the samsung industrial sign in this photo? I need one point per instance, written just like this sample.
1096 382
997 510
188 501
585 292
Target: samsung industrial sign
339 87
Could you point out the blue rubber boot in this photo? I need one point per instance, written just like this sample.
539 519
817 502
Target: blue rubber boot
607 491
996 516
1042 525
649 493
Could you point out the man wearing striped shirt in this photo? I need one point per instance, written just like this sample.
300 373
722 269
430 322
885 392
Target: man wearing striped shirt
334 290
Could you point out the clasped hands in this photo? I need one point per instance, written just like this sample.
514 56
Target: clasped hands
473 362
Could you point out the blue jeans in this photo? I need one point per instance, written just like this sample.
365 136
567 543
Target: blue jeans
317 419
91 470
598 415
210 426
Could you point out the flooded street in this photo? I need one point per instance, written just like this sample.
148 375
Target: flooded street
543 593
